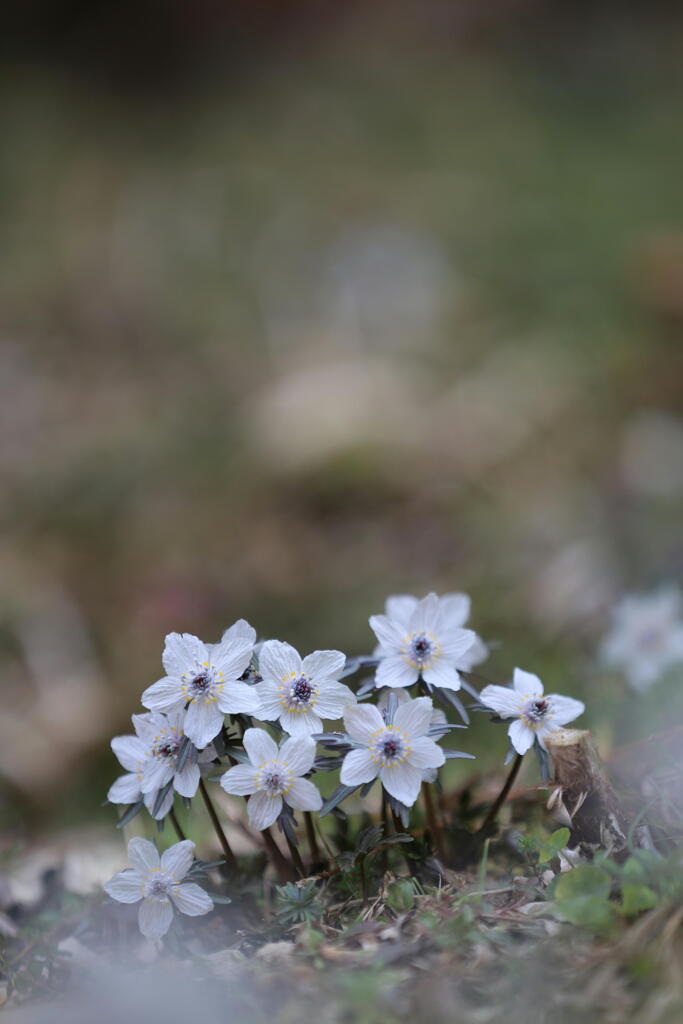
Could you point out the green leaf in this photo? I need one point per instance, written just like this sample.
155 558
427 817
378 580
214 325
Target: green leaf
584 880
552 845
636 898
591 912
400 895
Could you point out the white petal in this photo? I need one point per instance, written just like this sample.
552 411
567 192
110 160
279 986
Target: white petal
175 721
178 858
402 781
527 683
332 699
393 671
240 780
142 855
130 751
260 747
191 899
148 725
564 709
502 700
298 753
186 782
183 653
400 607
156 773
425 753
232 657
361 720
414 717
240 630
270 706
443 674
455 610
358 767
427 616
203 721
301 723
154 918
126 887
457 643
387 632
303 796
239 699
164 807
263 810
521 736
126 790
278 661
164 695
477 653
324 664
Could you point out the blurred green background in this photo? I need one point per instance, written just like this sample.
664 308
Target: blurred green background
302 305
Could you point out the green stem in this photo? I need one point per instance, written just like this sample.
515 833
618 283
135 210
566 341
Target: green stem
176 825
230 859
500 799
296 857
311 836
282 866
433 821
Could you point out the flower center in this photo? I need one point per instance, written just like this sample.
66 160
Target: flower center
167 748
274 779
201 684
390 746
537 710
301 690
158 887
420 650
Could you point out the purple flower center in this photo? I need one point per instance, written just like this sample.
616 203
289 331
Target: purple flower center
158 889
169 748
200 684
302 690
273 782
538 709
421 647
391 747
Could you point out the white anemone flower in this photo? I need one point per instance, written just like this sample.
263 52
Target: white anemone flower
536 715
646 638
204 678
300 692
151 759
402 696
158 883
420 640
398 753
272 776
455 610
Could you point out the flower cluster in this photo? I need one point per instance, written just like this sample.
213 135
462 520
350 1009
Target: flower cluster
206 716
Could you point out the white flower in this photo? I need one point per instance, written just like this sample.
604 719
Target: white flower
399 753
300 693
535 715
455 611
419 639
273 776
646 637
151 757
157 882
402 696
205 678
